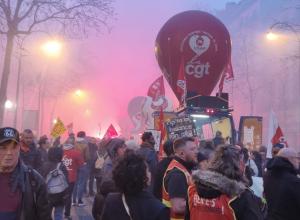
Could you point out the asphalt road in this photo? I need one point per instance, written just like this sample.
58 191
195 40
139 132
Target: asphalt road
85 212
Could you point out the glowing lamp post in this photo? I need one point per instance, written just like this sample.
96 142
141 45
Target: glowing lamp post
272 36
52 48
8 104
54 121
285 26
78 93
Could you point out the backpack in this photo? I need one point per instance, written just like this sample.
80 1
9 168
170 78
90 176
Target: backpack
100 161
56 181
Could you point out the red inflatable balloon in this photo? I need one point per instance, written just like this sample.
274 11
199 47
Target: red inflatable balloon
196 45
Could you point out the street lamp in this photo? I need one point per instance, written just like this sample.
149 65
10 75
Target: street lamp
52 48
78 93
272 36
8 104
54 121
291 28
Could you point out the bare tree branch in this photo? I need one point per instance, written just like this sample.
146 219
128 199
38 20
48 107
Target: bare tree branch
6 11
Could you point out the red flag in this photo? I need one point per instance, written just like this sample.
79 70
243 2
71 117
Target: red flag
181 83
111 132
226 76
157 89
279 137
162 132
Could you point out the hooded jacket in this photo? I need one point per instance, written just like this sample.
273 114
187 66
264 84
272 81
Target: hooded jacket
148 152
211 185
34 205
30 156
282 190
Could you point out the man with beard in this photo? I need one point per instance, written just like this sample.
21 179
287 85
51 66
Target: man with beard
177 177
23 191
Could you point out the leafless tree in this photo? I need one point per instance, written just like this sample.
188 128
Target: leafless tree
72 18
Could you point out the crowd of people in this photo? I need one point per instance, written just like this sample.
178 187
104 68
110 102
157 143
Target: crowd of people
40 180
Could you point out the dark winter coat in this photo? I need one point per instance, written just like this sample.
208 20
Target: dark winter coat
143 206
159 175
147 151
43 154
211 185
35 204
282 190
32 157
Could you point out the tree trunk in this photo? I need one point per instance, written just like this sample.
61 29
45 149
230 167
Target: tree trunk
5 73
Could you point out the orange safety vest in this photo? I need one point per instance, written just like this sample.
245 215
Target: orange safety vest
209 209
165 195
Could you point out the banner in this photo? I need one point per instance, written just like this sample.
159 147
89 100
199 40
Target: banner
250 132
180 127
58 129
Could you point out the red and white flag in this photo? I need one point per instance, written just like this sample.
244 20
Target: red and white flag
111 132
181 83
275 134
157 89
279 137
226 76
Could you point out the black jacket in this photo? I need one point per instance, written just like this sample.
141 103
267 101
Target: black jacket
246 205
282 190
35 204
159 175
147 151
43 154
32 158
143 206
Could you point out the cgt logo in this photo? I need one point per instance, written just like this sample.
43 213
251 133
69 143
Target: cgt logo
198 70
199 43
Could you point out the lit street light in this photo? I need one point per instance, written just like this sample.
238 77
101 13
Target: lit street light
8 104
78 93
272 36
52 48
288 27
54 121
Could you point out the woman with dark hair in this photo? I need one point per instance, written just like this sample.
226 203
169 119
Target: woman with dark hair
220 192
133 202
